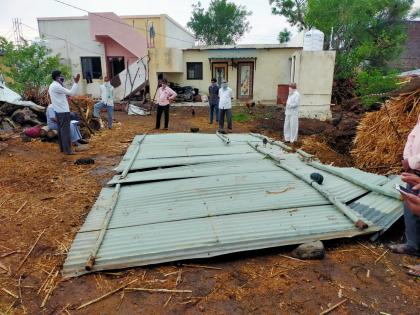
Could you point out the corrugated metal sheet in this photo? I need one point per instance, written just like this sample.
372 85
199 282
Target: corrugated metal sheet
192 195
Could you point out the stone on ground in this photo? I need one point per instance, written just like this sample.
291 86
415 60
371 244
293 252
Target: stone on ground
311 250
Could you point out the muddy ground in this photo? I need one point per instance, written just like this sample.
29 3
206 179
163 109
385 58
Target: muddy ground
43 193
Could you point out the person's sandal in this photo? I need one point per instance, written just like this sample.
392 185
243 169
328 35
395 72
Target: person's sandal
403 249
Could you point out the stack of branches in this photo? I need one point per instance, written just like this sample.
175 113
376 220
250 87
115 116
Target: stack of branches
37 95
381 135
83 106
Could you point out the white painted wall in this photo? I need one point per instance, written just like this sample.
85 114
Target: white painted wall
272 68
314 74
177 36
71 39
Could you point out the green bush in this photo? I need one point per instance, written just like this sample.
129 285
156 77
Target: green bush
371 84
241 117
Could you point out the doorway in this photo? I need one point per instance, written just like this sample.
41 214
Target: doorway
220 72
245 84
115 66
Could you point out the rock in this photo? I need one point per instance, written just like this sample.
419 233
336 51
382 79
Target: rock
312 250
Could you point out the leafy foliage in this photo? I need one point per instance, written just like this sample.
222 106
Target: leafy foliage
223 23
29 65
284 36
366 34
293 10
369 85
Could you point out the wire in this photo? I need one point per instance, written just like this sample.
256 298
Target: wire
67 41
120 22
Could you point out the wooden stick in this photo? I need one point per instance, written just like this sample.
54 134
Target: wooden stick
106 295
292 258
8 254
51 288
21 207
10 293
369 248
10 307
333 307
200 266
158 290
30 251
20 293
380 257
168 300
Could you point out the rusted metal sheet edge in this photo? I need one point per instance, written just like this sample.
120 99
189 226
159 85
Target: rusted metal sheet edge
212 251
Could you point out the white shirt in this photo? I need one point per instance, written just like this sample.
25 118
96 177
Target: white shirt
292 104
225 98
107 94
58 95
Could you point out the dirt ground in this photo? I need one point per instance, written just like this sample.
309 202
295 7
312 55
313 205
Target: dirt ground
44 194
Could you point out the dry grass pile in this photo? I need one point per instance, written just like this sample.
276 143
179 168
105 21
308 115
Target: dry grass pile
318 147
381 135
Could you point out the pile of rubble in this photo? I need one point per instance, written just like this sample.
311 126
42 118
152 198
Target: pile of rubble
18 116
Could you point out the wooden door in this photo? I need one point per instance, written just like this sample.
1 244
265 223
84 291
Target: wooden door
220 71
245 84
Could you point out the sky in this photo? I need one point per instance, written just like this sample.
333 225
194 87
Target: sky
265 26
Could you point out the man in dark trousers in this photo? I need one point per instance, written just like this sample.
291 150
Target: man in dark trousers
164 97
58 95
214 100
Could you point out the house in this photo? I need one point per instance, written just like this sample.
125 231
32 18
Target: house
135 51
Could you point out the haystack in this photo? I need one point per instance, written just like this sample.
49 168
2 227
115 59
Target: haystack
381 135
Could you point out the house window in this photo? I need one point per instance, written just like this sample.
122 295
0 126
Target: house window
91 68
194 71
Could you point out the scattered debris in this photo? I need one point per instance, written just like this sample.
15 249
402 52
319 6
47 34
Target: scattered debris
158 290
312 250
30 251
333 307
106 295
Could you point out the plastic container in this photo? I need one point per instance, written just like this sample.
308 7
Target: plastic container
313 40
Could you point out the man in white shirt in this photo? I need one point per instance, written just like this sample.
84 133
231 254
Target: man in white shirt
291 122
107 101
58 95
225 107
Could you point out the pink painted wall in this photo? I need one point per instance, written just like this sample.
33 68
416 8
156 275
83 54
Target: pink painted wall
102 24
113 49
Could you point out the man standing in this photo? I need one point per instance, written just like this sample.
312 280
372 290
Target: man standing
291 122
107 101
214 100
225 107
164 97
58 95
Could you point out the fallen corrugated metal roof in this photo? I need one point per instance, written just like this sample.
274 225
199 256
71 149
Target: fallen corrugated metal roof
184 196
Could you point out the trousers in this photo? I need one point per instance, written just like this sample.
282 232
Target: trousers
291 127
214 109
412 227
228 113
64 135
109 110
162 109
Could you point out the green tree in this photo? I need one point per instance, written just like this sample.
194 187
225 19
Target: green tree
284 36
29 65
366 34
223 23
